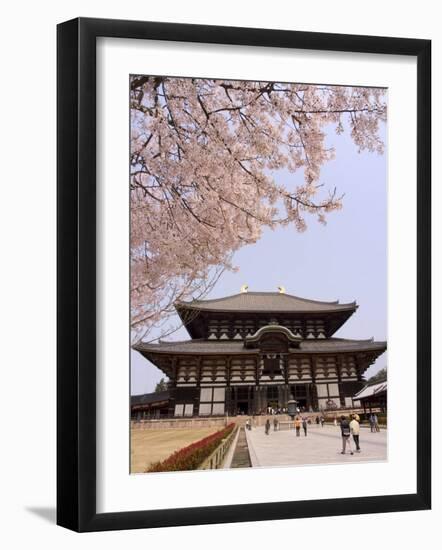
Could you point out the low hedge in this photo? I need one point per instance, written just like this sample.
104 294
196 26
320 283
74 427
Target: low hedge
192 456
382 418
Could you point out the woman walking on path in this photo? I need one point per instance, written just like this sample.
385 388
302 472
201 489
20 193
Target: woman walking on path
298 426
354 429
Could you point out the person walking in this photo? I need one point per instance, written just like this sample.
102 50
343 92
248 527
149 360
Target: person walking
304 425
275 424
322 421
354 429
298 426
267 426
371 421
345 434
375 422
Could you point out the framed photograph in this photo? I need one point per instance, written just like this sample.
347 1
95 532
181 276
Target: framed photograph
243 236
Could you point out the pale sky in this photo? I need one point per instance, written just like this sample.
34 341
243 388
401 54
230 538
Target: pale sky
344 260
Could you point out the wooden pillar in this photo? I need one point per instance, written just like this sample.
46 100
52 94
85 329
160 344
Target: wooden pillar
359 366
234 400
340 365
227 405
257 371
256 389
286 395
314 393
196 405
264 398
309 402
281 396
256 400
172 387
286 360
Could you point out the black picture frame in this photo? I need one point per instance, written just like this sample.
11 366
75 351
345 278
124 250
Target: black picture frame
76 274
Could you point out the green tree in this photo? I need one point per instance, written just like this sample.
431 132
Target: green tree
161 386
380 376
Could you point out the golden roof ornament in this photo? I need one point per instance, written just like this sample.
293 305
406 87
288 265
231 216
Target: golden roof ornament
244 289
281 289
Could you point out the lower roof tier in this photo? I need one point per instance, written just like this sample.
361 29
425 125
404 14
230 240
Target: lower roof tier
229 347
327 352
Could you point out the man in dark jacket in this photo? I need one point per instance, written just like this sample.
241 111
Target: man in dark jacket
345 433
267 426
304 425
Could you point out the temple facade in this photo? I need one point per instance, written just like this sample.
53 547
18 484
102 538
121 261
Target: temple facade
256 350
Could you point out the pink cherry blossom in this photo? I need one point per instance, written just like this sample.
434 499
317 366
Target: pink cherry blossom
203 155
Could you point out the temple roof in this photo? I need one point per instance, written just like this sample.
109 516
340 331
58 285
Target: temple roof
267 306
148 398
371 390
266 302
237 346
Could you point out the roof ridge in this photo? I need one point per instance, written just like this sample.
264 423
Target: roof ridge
363 340
168 342
264 293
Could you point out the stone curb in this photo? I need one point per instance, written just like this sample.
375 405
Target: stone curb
252 453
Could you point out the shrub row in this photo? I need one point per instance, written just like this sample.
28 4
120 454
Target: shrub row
382 418
192 456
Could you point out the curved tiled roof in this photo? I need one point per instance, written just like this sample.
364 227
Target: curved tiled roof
371 390
267 302
147 398
237 346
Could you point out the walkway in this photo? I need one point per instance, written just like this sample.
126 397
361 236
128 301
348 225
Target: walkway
321 446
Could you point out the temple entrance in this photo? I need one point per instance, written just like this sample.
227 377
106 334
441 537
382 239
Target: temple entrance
242 407
304 395
273 398
241 400
302 404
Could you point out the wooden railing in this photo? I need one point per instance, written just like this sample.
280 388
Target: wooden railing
192 422
217 458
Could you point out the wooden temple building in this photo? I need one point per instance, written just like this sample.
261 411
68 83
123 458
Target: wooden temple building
372 397
256 350
150 405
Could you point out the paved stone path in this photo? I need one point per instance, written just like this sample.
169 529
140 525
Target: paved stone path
321 446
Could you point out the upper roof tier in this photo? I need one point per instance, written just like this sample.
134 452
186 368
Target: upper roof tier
267 302
247 311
